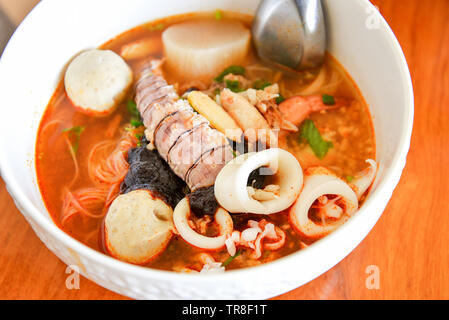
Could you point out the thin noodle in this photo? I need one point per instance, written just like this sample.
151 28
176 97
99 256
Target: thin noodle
75 162
83 201
48 125
113 126
258 71
315 85
107 174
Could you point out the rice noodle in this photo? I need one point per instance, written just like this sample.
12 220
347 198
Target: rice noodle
83 201
315 85
106 173
75 161
323 83
113 126
113 169
256 71
49 124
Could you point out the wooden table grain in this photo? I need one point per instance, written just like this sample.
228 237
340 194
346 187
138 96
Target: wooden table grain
409 244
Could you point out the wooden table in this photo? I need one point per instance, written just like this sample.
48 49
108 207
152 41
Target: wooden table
409 244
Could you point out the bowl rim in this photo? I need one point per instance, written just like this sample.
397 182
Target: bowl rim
387 184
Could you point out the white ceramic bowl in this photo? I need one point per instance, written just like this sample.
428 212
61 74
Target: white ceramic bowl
55 30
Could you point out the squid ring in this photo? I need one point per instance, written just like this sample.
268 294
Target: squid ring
222 218
231 183
319 182
364 179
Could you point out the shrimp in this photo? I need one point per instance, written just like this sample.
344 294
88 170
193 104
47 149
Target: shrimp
297 109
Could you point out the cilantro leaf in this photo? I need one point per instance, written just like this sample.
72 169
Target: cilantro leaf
310 133
328 100
234 86
132 108
280 99
136 120
74 135
261 84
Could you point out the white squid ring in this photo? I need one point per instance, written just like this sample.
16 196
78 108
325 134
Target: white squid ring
365 179
318 183
231 183
222 218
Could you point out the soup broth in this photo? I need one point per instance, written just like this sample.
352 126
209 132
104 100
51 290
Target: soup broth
67 138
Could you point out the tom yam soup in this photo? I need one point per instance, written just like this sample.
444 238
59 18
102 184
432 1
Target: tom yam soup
173 146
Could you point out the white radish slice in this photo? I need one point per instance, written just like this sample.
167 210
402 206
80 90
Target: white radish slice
231 184
138 226
222 218
201 49
96 81
364 179
319 182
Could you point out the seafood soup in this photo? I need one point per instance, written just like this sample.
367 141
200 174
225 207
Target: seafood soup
173 146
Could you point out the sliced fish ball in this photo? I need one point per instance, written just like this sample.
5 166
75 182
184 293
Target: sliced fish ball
201 49
138 226
96 81
231 189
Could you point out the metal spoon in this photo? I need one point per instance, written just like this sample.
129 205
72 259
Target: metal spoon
290 33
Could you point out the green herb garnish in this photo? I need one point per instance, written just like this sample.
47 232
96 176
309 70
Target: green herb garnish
139 137
132 108
234 85
310 133
328 100
74 135
136 120
280 99
237 70
349 178
261 84
218 14
231 258
136 123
